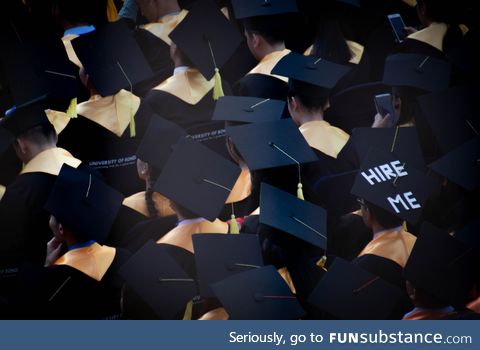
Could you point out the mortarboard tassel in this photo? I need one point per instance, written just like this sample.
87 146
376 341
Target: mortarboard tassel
72 108
133 132
322 263
299 185
217 86
188 311
233 225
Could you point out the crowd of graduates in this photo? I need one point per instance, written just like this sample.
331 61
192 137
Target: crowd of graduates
239 159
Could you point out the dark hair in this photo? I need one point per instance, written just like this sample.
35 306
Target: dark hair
384 218
274 29
93 12
311 96
410 107
445 11
330 43
40 134
154 173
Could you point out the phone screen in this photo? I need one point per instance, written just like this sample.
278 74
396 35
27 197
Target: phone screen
384 106
398 26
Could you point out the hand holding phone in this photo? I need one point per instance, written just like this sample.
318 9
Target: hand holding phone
384 105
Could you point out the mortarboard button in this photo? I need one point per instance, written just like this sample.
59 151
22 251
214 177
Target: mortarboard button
248 109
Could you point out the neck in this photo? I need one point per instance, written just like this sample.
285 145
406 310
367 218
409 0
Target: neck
167 8
35 150
268 49
310 117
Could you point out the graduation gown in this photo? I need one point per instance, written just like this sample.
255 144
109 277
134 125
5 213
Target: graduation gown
259 82
100 137
428 41
24 229
243 197
138 203
82 284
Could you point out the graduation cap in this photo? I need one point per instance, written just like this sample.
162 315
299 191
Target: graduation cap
41 68
6 139
287 213
470 233
462 165
349 292
442 266
84 203
159 280
219 256
19 119
401 142
418 71
158 141
392 184
272 144
197 178
256 8
208 39
312 70
333 192
112 58
452 115
258 294
248 109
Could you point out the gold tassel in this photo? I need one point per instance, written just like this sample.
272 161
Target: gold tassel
300 191
322 263
233 226
112 13
217 87
404 226
188 311
72 108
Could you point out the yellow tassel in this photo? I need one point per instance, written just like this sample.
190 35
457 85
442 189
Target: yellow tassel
234 225
112 13
404 226
300 191
217 87
72 108
188 311
322 263
133 132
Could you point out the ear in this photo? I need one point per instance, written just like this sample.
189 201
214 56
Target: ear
292 103
22 145
256 39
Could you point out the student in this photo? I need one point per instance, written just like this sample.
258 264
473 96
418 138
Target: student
79 278
265 31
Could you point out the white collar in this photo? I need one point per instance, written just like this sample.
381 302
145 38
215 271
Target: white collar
190 221
180 69
376 234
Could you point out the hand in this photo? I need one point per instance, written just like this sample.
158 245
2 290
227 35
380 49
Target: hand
54 251
410 30
382 122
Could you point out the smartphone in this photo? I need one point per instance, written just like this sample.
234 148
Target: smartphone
398 27
384 105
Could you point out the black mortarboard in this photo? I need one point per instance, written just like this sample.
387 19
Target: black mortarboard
84 203
157 143
442 266
197 178
159 280
258 294
248 109
402 142
271 144
219 256
6 139
333 192
255 8
462 165
393 184
418 71
206 37
112 58
19 119
297 217
312 70
452 115
41 68
349 292
470 233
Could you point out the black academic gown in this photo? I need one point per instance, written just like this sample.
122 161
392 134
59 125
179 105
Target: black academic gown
112 156
63 292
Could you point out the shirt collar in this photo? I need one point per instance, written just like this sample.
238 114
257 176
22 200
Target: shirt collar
180 69
81 245
79 30
376 234
191 221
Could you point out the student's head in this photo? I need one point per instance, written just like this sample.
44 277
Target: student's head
61 232
421 298
330 44
153 10
374 216
264 32
405 103
178 57
305 100
34 140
